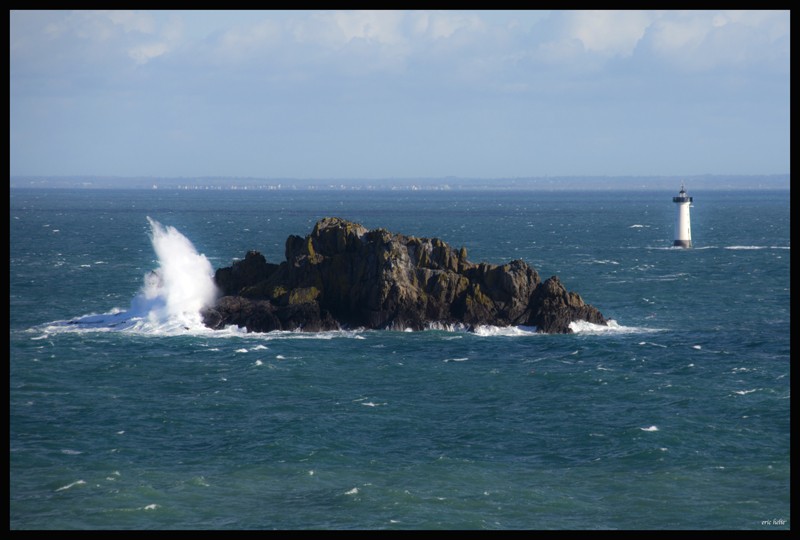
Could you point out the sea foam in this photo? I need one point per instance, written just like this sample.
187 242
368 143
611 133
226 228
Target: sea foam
584 327
171 298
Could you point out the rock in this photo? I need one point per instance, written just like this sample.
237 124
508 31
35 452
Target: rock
553 308
345 276
243 274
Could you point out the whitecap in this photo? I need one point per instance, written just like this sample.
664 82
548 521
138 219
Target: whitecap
151 507
240 350
488 330
651 428
436 325
299 334
744 392
259 348
613 327
353 491
698 347
258 362
73 484
456 359
637 226
578 327
652 344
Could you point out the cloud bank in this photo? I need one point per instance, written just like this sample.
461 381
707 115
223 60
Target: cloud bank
455 92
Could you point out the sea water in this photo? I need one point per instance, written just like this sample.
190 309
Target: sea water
126 413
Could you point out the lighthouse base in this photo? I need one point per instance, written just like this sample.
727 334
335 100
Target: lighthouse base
683 243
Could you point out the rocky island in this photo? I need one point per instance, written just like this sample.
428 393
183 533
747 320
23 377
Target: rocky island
345 276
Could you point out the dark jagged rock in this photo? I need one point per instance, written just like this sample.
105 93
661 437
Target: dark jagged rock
345 276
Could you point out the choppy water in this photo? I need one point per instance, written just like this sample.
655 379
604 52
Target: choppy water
676 417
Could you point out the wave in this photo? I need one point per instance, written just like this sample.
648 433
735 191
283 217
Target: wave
696 248
680 249
757 247
584 327
171 298
492 331
73 484
446 327
577 327
173 295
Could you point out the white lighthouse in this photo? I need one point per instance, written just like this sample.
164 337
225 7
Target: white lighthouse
683 227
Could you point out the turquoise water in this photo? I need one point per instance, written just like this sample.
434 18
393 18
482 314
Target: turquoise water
676 417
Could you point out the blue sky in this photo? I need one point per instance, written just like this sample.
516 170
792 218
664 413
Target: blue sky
398 94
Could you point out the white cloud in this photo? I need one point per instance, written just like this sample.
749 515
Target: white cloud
704 40
383 27
106 25
142 54
609 33
243 42
689 40
586 40
670 33
79 39
438 24
397 34
336 29
354 42
132 21
170 33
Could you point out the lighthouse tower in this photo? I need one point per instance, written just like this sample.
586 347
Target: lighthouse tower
683 228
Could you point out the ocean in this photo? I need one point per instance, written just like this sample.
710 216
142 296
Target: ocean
676 416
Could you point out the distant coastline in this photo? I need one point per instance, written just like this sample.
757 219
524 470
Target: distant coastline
547 183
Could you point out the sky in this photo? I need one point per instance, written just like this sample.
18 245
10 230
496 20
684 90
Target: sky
398 94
